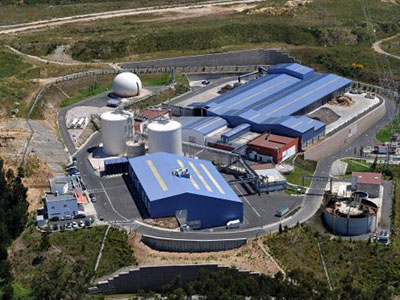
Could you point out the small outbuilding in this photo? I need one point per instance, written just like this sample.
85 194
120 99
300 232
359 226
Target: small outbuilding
190 189
367 182
271 147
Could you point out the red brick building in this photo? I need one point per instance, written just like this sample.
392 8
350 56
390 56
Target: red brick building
271 147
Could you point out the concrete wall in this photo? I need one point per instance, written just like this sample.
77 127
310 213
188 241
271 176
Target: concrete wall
152 278
175 245
346 135
234 58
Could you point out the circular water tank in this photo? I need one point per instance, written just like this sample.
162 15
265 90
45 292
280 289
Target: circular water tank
114 130
165 136
126 84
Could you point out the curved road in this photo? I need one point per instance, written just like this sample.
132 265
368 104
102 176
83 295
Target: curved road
377 46
311 203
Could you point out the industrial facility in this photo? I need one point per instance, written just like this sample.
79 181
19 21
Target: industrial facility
278 102
352 216
190 189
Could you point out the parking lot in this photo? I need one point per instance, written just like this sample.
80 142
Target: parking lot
70 224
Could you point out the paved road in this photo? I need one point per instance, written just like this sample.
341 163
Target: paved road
121 210
124 209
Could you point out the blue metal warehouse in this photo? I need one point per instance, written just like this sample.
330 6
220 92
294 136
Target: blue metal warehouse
191 189
287 90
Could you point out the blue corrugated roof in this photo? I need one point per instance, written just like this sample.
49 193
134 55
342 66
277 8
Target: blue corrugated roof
300 124
281 94
204 125
117 160
293 69
238 129
155 173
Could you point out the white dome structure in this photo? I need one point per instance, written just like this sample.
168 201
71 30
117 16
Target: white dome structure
126 85
165 136
115 129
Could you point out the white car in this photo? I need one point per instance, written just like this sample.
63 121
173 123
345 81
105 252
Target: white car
74 225
81 223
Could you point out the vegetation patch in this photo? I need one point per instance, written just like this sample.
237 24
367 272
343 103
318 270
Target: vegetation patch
62 263
385 133
357 268
116 254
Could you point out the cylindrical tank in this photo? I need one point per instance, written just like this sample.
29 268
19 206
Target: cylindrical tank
135 149
165 136
114 130
126 84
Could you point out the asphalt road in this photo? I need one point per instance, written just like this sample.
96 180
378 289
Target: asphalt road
115 199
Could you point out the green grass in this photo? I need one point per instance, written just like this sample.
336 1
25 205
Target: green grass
13 84
21 292
385 133
296 177
79 247
86 93
181 86
156 79
372 268
355 165
293 191
116 254
302 167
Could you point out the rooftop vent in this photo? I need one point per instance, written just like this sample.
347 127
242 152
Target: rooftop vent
181 172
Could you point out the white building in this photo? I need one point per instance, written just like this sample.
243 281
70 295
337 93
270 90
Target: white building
62 206
199 130
59 185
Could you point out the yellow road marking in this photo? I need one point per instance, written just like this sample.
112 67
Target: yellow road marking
212 179
196 186
157 175
200 176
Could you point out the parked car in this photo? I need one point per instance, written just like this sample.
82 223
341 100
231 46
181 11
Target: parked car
81 224
92 197
205 82
233 224
68 226
74 225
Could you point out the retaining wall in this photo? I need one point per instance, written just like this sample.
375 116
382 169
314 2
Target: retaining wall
345 135
177 245
234 58
152 278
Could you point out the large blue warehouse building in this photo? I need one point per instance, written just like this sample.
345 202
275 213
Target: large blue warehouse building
170 185
279 101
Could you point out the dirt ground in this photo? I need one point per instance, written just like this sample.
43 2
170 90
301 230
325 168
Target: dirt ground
289 7
325 115
171 222
248 257
44 159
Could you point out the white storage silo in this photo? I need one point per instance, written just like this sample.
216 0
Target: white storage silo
165 136
115 128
